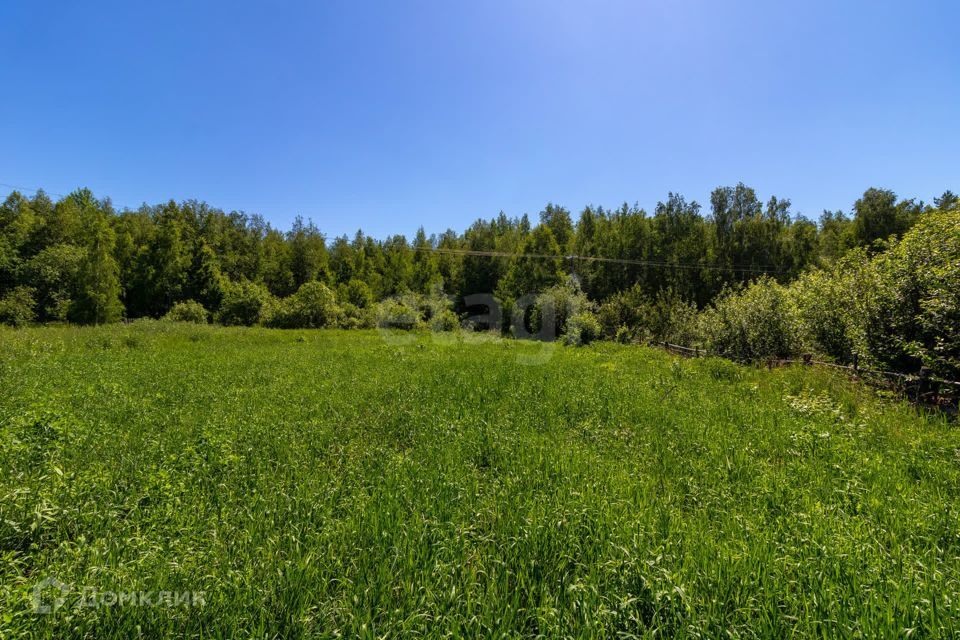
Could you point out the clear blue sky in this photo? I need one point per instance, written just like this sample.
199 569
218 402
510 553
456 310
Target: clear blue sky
390 115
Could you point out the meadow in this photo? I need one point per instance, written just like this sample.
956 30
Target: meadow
325 483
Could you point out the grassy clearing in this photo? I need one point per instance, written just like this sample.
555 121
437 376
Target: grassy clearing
322 483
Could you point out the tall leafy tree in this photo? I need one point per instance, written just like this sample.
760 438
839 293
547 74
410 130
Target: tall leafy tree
680 245
878 216
308 253
98 290
206 284
535 273
426 270
561 225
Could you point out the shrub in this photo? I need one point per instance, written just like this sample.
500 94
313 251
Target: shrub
437 311
312 306
244 303
357 293
931 258
353 317
187 311
756 323
624 335
899 309
822 301
905 309
581 328
632 315
670 318
17 307
54 274
622 314
399 312
445 320
414 311
559 303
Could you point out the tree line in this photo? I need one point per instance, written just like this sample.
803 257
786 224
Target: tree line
78 259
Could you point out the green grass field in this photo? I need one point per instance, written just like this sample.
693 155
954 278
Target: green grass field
330 483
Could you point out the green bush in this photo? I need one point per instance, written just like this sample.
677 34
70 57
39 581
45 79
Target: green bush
898 309
623 335
409 311
400 312
581 328
437 311
445 320
17 307
54 274
623 314
822 301
905 303
313 306
931 261
245 303
757 323
357 293
354 317
187 311
631 315
561 302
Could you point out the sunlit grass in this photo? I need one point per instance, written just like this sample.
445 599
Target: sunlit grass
323 483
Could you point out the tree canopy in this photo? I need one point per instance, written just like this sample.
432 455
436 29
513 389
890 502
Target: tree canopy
79 259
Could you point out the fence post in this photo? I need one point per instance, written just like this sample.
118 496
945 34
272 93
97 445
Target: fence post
856 364
923 383
808 359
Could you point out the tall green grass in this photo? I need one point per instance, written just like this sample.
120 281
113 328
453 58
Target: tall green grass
332 483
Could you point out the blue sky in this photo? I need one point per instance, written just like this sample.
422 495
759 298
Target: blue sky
386 116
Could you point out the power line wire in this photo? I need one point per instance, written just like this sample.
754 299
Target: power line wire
626 261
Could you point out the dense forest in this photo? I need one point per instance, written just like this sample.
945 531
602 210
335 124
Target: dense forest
639 275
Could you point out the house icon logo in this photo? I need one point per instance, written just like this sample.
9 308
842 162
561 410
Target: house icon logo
49 595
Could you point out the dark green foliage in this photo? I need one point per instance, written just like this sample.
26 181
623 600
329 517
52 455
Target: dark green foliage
878 216
244 303
757 323
399 312
425 275
98 281
187 311
898 309
313 306
17 307
205 282
54 273
552 310
558 220
90 264
357 293
308 254
633 316
836 235
533 275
